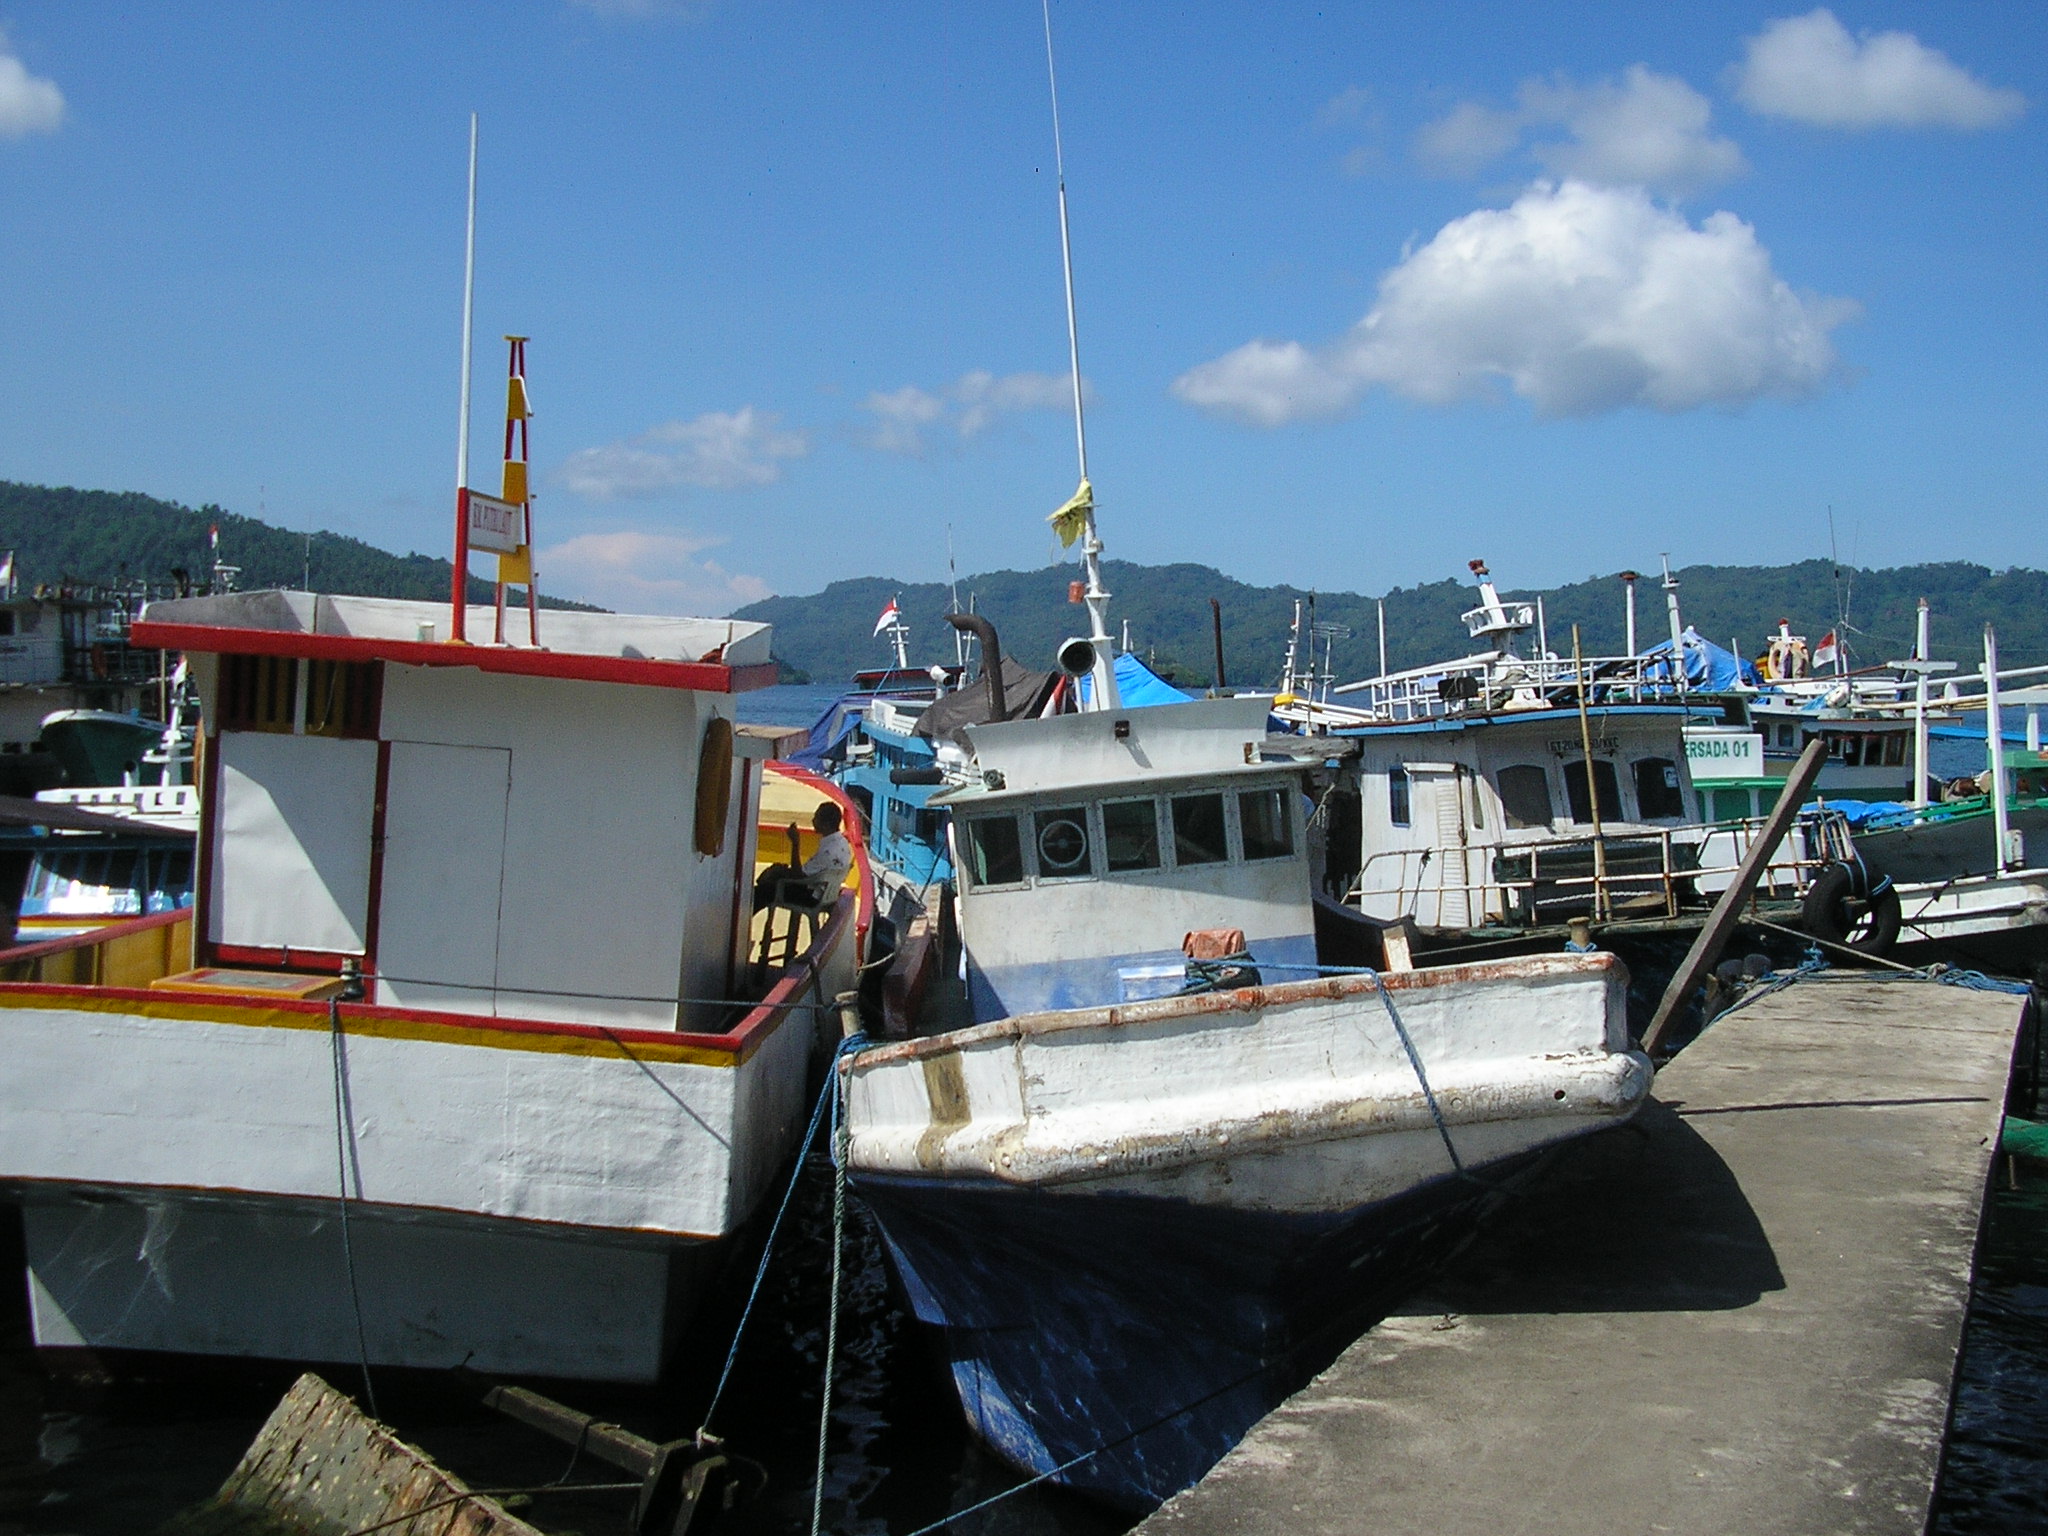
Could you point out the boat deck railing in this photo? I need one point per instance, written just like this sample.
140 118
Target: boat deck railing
132 953
1662 870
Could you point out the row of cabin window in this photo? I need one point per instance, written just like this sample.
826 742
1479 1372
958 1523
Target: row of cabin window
1868 749
1525 793
1116 837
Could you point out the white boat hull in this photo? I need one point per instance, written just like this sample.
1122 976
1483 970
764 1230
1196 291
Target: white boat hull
1139 1227
525 1196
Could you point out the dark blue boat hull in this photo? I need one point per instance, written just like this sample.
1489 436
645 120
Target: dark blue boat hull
1152 1333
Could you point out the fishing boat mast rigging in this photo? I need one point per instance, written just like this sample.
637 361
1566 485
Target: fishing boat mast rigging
1077 517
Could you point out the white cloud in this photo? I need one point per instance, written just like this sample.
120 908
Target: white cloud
1650 130
1579 299
1347 105
1471 137
28 103
1809 68
1643 130
970 405
635 572
720 451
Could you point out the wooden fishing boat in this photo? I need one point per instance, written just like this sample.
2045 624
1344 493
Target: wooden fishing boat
456 1058
1142 1195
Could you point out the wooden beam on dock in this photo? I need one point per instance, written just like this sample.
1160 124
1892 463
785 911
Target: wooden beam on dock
1707 947
1740 1313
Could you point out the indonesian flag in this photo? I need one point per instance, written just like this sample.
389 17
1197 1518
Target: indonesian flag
889 616
1827 650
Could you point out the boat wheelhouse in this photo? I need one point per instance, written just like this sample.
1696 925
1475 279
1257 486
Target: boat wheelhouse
456 1057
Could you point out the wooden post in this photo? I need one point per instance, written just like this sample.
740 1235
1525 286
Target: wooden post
1706 949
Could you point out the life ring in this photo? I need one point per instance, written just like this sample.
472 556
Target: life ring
714 786
1840 907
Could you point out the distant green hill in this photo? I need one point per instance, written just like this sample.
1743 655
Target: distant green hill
829 634
104 537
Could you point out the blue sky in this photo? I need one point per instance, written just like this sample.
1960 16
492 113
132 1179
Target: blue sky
1365 291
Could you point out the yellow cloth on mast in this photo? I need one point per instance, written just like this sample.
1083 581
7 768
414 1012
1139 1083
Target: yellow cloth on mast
1071 521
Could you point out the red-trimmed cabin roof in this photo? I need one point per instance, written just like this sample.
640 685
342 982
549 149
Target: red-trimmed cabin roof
706 655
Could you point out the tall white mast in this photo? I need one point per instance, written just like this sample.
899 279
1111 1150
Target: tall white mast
1103 693
468 313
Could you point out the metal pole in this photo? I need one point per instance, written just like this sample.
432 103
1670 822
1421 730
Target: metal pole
1600 902
1920 634
1628 582
1994 740
1677 628
458 620
1216 625
1104 693
1383 636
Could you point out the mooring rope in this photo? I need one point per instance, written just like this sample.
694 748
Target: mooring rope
767 1252
841 1138
348 1252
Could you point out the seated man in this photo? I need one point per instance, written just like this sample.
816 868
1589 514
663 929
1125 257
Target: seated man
822 873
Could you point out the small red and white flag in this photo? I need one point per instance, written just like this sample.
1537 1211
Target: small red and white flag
1827 650
889 616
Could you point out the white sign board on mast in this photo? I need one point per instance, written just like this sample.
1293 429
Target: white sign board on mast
494 524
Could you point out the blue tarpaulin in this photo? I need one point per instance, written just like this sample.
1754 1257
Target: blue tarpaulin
1707 666
1138 685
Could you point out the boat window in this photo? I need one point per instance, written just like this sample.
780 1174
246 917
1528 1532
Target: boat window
1198 836
1263 820
1658 796
995 854
1478 801
1130 831
1852 751
1895 751
1605 780
1525 795
1788 735
1062 841
1397 796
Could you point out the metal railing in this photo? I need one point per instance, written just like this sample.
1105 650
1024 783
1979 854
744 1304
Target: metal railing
1534 882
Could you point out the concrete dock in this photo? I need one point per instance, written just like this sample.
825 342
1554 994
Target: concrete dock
1739 1315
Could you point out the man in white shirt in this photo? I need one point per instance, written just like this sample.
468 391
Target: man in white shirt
822 873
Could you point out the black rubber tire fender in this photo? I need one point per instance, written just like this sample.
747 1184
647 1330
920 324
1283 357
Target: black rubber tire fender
1825 913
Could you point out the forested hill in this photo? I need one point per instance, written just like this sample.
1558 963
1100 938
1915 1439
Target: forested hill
830 634
62 535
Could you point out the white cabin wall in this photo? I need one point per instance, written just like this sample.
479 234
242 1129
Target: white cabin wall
599 871
291 842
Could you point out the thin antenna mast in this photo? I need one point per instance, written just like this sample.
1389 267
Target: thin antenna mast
1104 693
460 600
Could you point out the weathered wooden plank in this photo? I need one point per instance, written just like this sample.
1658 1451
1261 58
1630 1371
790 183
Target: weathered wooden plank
322 1467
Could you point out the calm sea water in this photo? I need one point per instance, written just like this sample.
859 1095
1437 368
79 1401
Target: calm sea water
786 703
101 1456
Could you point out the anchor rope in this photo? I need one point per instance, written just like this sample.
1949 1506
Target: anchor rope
348 1252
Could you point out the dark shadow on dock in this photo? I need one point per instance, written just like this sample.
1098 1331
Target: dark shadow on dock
1642 1218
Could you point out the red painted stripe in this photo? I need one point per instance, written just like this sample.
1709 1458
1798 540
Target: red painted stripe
702 676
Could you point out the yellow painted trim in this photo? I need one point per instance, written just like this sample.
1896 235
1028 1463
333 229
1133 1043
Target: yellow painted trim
358 1026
